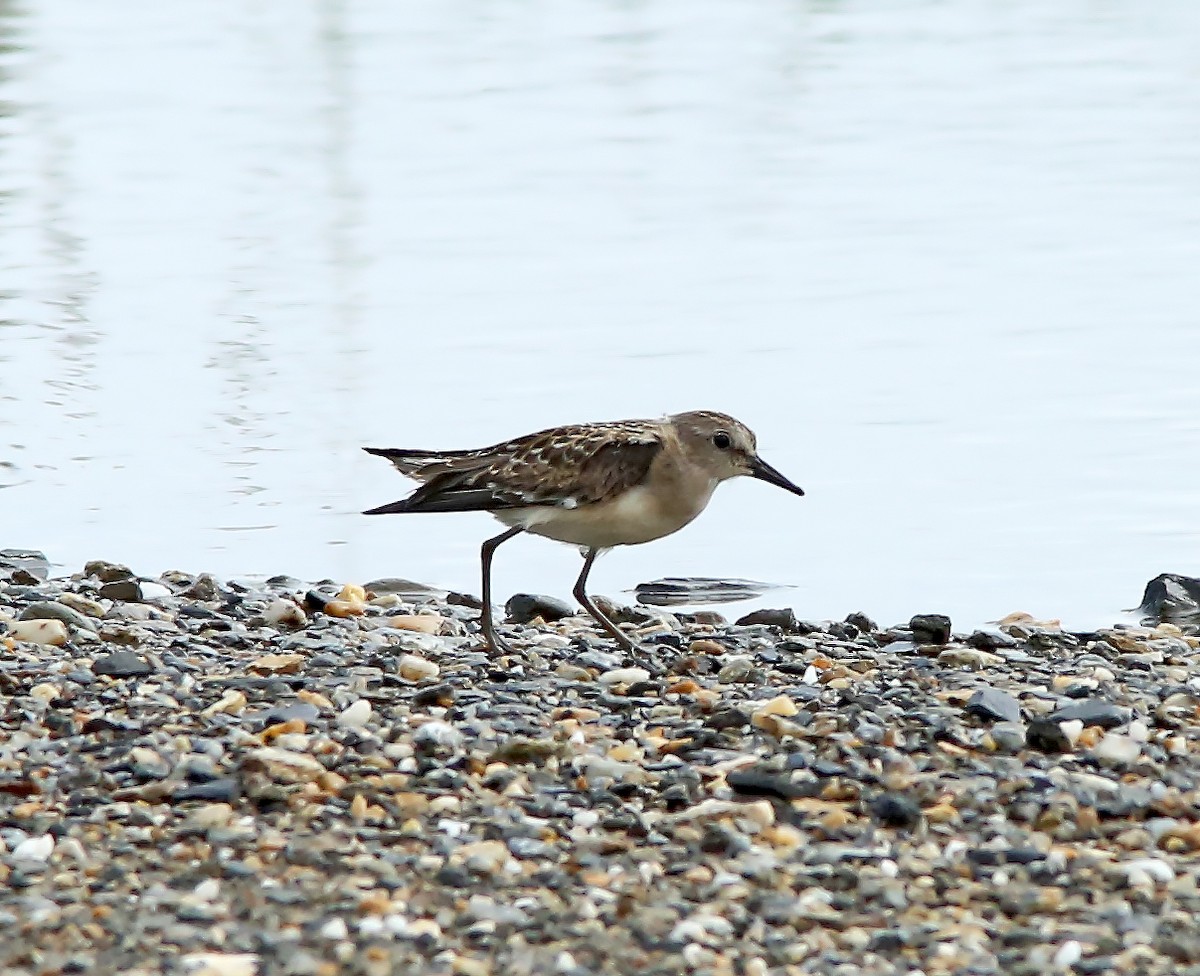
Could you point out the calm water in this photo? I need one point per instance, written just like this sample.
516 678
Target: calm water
942 256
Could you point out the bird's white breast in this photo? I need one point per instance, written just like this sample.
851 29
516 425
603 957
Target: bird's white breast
635 516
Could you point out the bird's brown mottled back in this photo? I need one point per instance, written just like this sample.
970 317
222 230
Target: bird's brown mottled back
562 466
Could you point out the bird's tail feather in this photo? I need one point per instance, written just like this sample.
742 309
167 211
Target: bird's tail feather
391 508
409 461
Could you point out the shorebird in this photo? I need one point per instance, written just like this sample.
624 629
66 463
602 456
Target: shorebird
594 486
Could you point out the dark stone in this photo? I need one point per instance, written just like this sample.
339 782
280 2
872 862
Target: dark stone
1094 711
456 599
122 664
994 705
895 810
784 619
290 710
223 790
930 628
122 591
315 601
1172 597
203 587
442 695
1046 735
888 940
453 877
727 718
524 607
757 781
864 623
990 640
401 587
107 572
1096 966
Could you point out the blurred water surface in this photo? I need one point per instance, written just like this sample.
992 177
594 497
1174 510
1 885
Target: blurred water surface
941 256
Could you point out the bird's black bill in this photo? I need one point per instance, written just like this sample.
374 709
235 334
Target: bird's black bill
764 472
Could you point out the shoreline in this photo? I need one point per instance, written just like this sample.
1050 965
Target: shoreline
207 777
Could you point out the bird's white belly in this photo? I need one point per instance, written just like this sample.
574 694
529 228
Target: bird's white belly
634 516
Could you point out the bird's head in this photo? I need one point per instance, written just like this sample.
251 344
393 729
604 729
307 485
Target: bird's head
726 448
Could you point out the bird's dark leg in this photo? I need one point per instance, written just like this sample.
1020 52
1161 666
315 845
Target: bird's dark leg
485 560
580 594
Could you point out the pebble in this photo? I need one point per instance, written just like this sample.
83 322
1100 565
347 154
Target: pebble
780 705
53 633
278 664
785 620
418 623
969 657
412 667
122 591
1047 736
356 715
122 664
521 608
624 676
770 797
34 849
220 964
1148 871
994 705
1094 711
283 765
57 610
285 614
930 628
1116 750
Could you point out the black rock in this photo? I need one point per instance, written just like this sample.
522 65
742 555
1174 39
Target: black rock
888 940
107 572
895 810
122 591
122 664
223 790
784 619
864 623
990 640
440 694
1046 735
1172 597
727 718
930 628
286 712
1094 711
994 705
757 781
401 587
524 607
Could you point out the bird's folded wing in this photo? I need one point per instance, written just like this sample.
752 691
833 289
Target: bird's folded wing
566 467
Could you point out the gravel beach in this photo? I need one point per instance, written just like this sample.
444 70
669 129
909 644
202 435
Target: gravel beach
217 777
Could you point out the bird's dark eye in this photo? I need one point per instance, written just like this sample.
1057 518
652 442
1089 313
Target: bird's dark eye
721 440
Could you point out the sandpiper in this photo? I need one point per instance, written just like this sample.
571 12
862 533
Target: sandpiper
591 485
